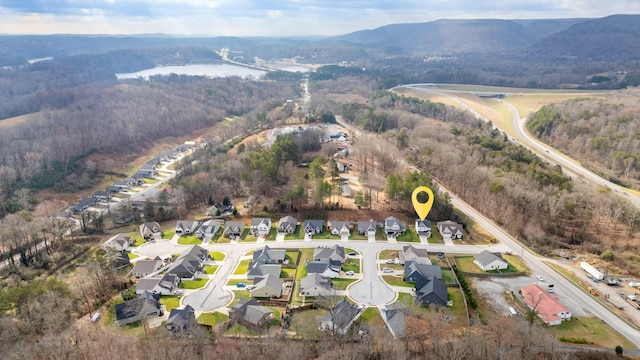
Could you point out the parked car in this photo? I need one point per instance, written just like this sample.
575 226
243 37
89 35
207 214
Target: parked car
349 272
387 270
353 253
241 285
95 317
540 278
390 261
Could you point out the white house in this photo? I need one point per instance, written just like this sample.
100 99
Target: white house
260 226
487 260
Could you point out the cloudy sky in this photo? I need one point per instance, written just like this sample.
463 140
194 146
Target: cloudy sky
273 17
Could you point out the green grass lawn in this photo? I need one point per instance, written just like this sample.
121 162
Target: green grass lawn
193 284
304 255
212 319
296 235
235 281
341 284
305 323
592 330
191 239
251 238
217 255
435 240
356 236
239 330
350 250
408 236
170 301
222 240
132 255
516 262
292 256
388 254
168 234
396 281
448 277
210 269
242 268
371 316
466 264
288 273
351 265
272 234
240 294
244 234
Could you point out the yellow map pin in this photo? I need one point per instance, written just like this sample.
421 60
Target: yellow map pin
422 208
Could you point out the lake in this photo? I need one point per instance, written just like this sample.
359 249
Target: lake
208 70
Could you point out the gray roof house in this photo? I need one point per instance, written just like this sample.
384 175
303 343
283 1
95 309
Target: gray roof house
189 263
423 227
395 316
269 286
161 284
143 268
367 228
487 260
119 242
150 230
268 255
185 227
338 320
233 229
313 227
101 194
393 227
257 270
260 226
414 270
250 313
208 229
335 252
84 203
410 253
287 225
315 284
339 227
325 267
431 290
115 189
180 321
146 305
450 230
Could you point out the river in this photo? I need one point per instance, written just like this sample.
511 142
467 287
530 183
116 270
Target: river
208 70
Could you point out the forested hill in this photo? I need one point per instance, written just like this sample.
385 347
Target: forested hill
602 134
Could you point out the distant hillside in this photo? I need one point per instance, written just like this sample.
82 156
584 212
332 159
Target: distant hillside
459 36
615 37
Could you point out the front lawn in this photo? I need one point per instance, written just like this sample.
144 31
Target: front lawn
170 301
136 238
212 319
193 284
351 265
245 233
388 254
132 255
272 234
217 255
356 236
210 269
296 235
435 238
396 281
191 239
408 236
516 262
341 283
168 234
243 267
235 281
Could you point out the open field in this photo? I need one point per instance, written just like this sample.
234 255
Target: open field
593 331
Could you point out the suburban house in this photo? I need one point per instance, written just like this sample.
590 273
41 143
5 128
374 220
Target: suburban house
287 225
395 316
101 194
148 169
123 218
184 227
260 226
393 227
180 321
423 227
487 260
189 263
143 268
250 313
146 305
150 230
233 229
548 308
269 286
335 252
367 228
428 283
315 284
339 227
313 227
160 284
340 136
123 184
219 209
208 229
115 189
120 242
338 320
325 267
83 204
450 230
410 253
258 270
135 180
268 255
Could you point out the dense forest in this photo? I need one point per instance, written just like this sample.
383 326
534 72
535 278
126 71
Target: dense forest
603 134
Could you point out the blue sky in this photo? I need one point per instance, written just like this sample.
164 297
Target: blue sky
273 17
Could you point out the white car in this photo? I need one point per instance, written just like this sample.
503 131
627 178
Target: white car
540 278
387 270
349 272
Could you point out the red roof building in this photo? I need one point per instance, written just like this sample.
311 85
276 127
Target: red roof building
545 305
